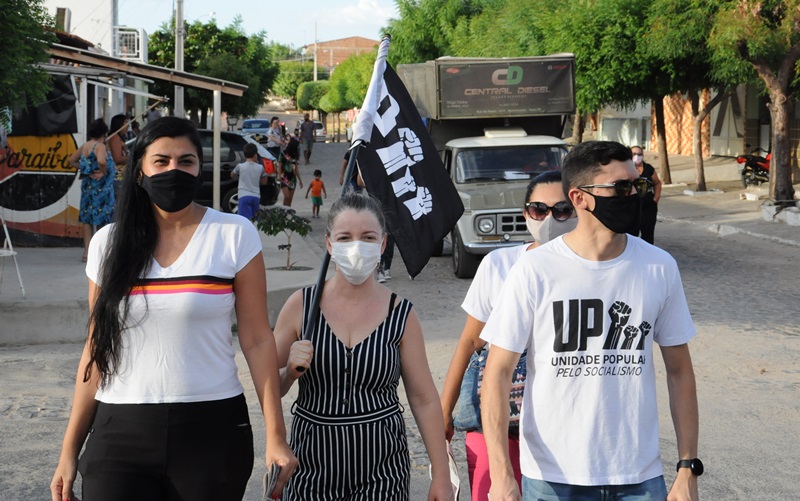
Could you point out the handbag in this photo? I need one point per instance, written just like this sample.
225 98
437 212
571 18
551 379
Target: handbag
468 417
468 414
517 387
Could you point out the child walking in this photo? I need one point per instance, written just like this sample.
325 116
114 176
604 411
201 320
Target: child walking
251 176
317 188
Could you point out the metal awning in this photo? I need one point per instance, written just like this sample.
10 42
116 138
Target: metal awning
138 69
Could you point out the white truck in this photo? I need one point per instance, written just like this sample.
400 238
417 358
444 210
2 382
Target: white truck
497 123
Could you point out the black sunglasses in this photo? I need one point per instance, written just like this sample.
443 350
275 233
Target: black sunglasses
538 210
623 188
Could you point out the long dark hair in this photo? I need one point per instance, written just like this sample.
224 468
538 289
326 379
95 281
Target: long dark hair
129 253
117 121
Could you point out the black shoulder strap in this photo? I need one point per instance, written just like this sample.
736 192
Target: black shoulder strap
391 303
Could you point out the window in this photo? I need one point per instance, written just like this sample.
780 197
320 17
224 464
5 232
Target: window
507 163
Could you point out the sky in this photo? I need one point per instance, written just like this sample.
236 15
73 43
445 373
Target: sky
289 22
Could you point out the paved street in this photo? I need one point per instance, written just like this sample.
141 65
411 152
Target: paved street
743 293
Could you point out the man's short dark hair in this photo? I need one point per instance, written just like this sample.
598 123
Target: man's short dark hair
250 150
585 160
318 173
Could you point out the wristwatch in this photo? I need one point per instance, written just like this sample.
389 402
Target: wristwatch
693 464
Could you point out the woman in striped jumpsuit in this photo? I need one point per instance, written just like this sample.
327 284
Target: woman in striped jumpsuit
348 431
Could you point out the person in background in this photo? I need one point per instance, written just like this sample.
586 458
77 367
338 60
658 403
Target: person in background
96 167
348 432
116 145
307 137
589 308
153 114
130 134
385 266
134 129
289 171
317 188
650 200
275 137
251 176
548 215
158 401
355 184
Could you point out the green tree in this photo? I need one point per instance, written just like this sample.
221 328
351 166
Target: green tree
309 95
228 67
334 102
766 36
676 43
605 37
503 28
291 75
209 48
422 31
281 52
25 45
286 221
356 72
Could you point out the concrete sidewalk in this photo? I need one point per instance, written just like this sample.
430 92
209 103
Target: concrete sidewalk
55 309
727 207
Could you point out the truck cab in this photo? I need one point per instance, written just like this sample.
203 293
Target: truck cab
497 123
491 174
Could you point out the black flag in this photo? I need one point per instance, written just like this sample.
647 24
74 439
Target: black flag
401 167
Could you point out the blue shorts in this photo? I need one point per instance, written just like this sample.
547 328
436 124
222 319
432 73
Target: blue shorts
539 490
248 206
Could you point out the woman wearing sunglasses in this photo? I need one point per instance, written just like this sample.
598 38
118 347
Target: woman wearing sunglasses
548 214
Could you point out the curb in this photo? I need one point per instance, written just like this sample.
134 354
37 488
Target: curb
725 230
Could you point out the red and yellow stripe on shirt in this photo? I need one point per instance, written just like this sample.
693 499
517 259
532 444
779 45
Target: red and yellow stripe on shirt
181 285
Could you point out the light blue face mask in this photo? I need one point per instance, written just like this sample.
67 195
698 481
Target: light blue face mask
356 260
549 228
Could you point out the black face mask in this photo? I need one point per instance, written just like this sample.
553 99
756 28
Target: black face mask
618 214
171 191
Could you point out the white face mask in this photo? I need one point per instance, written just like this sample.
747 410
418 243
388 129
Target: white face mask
549 228
356 260
637 159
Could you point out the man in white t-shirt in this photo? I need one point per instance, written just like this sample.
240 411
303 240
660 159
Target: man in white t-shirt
251 176
588 307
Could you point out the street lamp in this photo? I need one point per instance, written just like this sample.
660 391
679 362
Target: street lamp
232 121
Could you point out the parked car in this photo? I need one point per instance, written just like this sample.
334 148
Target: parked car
320 134
230 155
256 127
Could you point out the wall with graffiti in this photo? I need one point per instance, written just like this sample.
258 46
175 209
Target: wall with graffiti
39 190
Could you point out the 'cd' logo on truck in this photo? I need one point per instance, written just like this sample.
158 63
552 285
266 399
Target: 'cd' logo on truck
510 76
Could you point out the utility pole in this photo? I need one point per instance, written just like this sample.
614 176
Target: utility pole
315 51
178 110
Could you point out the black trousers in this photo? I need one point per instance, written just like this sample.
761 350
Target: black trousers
388 253
647 227
197 451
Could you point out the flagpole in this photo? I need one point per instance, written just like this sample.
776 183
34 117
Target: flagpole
313 312
361 133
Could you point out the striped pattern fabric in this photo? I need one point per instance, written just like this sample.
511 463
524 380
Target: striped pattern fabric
203 284
348 430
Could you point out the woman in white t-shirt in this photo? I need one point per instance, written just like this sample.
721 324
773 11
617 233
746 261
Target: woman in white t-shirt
548 214
157 391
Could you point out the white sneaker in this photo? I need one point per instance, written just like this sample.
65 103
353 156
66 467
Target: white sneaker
381 277
387 275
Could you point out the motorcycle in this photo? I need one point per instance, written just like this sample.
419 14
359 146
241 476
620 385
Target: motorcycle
755 168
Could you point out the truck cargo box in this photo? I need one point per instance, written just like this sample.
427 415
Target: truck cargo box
469 88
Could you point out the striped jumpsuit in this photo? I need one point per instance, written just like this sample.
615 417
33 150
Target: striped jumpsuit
348 431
